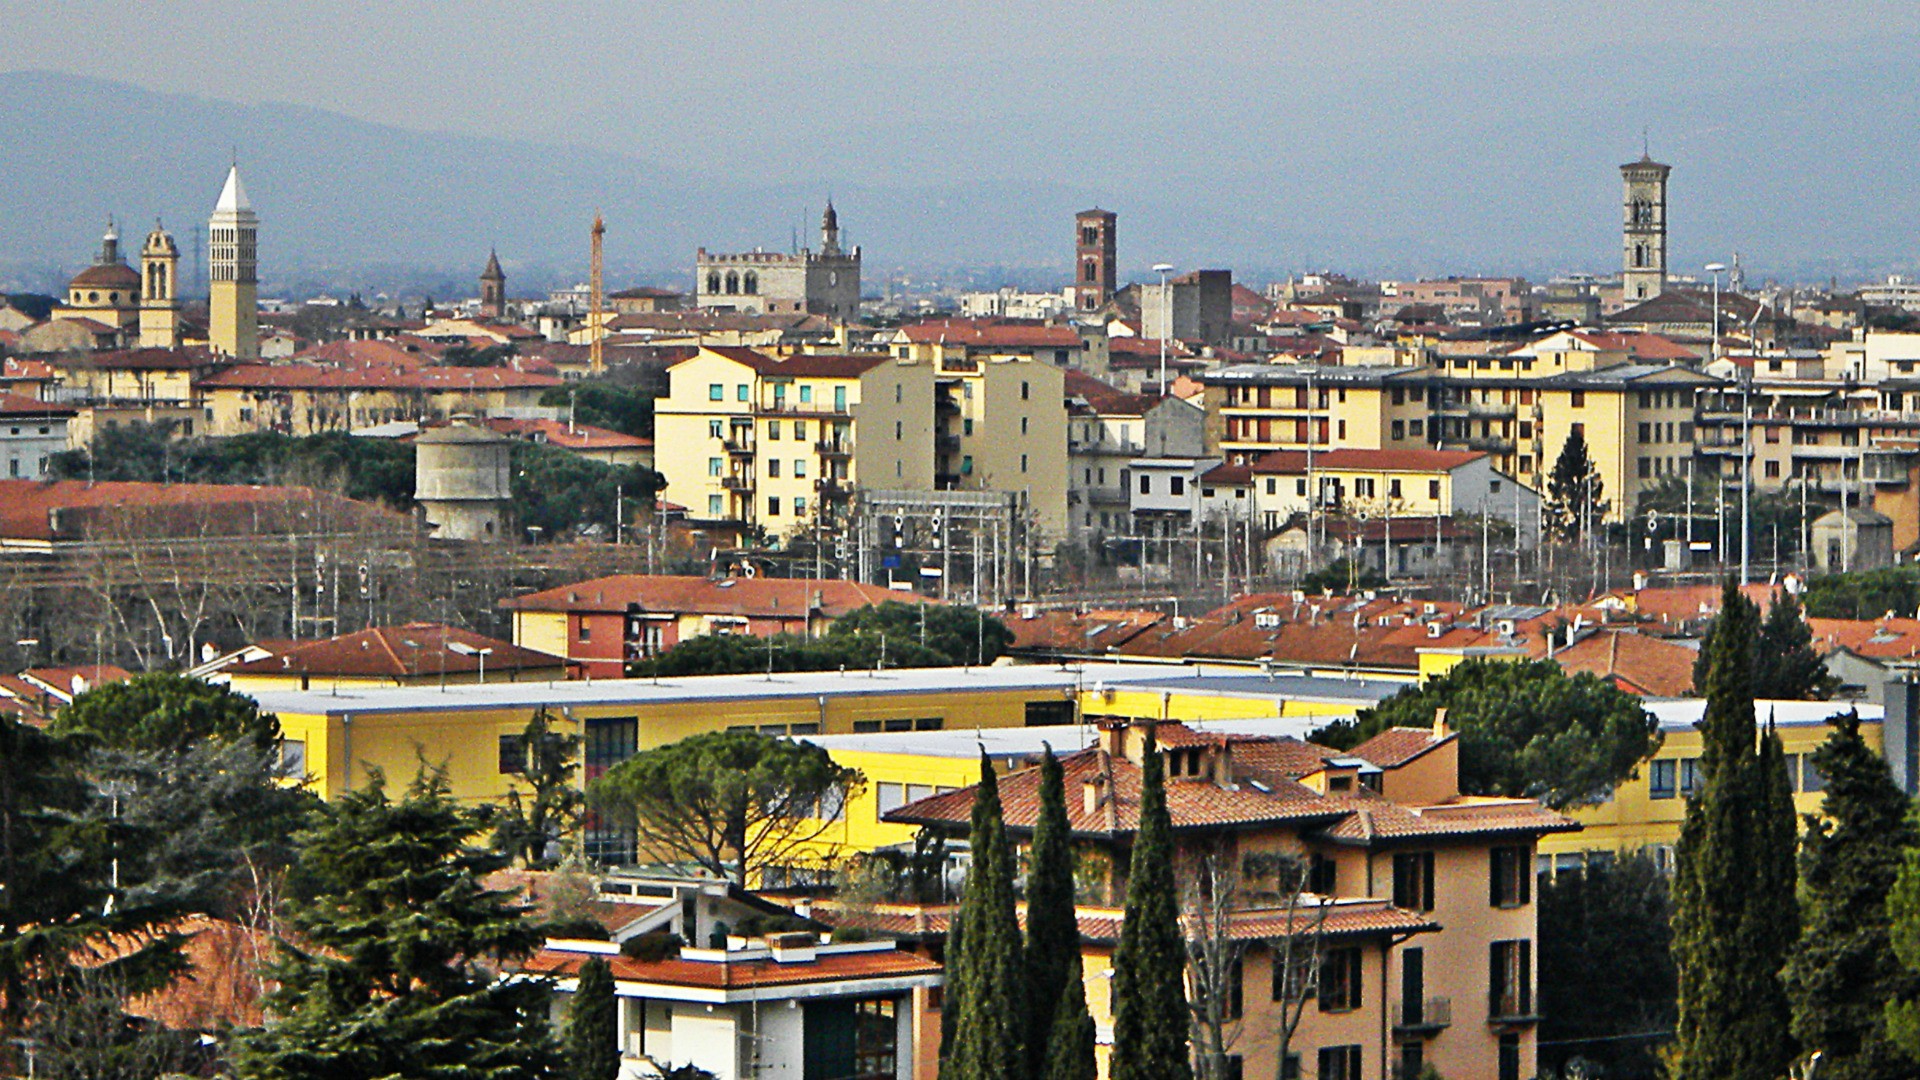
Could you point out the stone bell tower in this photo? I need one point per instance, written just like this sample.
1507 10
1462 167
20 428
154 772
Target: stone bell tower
1643 273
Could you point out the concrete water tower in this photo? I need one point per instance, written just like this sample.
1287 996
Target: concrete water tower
462 479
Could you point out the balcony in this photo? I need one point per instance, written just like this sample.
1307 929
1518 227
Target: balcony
737 483
946 405
1425 1017
1493 444
947 444
832 489
833 448
739 447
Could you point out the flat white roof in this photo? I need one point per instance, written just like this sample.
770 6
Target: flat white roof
1681 714
1276 688
1023 741
701 688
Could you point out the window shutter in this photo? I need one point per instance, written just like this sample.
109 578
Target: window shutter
1426 883
1525 873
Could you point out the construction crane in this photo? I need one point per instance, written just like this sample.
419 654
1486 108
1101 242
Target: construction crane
596 359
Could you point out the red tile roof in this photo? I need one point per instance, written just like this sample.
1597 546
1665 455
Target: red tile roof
568 436
19 405
802 365
1641 663
1339 918
1291 462
741 974
1079 632
1106 400
992 333
1372 818
181 359
69 509
761 597
369 377
1395 747
414 650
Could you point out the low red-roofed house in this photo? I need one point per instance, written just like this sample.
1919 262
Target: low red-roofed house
34 695
597 443
416 654
45 517
606 623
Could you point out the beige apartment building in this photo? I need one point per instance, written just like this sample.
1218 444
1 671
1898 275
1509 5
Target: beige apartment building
1419 900
757 440
309 399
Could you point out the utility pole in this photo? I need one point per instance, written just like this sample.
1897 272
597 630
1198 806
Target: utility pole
596 354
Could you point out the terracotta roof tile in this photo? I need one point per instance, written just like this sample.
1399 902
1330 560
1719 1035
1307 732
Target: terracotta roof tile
1396 746
762 597
421 378
742 974
992 333
409 651
68 509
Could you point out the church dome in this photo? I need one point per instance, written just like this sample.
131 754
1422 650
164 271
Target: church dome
107 276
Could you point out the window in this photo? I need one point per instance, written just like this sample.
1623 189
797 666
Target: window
513 755
1413 880
1660 774
876 1038
1417 429
1023 463
889 797
1510 979
799 506
1646 431
740 393
1146 484
1412 1060
714 430
1692 778
840 398
800 430
806 395
1023 425
293 758
716 392
1512 877
1433 490
1272 484
1646 468
1045 713
1811 778
773 430
773 505
1323 875
1579 399
773 468
799 468
899 431
1179 485
1025 390
713 506
1399 428
1340 981
1290 1068
586 630
1339 1062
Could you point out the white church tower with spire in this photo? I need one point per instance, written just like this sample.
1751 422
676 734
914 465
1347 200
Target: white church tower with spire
233 290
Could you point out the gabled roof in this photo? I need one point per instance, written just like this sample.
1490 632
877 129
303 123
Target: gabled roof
568 436
1105 400
787 598
801 365
750 973
63 510
19 406
1396 746
413 650
180 359
1294 462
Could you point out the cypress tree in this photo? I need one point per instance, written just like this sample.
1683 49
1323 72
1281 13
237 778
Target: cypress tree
1149 965
989 1028
1071 1037
592 1041
1053 929
1844 973
1735 917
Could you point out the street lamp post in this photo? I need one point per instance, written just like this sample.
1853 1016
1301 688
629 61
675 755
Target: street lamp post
1746 434
1166 321
465 649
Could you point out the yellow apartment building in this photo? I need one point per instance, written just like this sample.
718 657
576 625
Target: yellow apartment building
1255 408
1647 810
1637 420
752 439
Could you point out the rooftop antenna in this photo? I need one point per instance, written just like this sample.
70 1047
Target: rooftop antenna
1646 150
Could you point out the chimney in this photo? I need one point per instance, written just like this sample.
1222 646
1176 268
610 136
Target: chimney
1090 795
1440 728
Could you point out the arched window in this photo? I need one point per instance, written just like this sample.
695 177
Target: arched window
1639 254
733 282
713 281
1092 271
750 283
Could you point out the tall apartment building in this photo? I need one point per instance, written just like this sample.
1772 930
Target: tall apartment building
1107 429
750 439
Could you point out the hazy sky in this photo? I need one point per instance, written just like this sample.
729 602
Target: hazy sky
1322 115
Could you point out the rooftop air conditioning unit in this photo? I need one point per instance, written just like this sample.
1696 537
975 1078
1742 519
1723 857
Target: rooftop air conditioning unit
1266 620
1435 629
1428 608
1505 627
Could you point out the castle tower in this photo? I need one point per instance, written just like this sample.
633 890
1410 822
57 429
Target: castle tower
493 288
159 290
233 290
1644 234
830 231
1095 253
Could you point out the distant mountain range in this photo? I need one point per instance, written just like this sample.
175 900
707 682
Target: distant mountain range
1804 165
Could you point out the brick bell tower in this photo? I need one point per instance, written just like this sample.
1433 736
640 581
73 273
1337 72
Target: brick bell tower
1095 254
